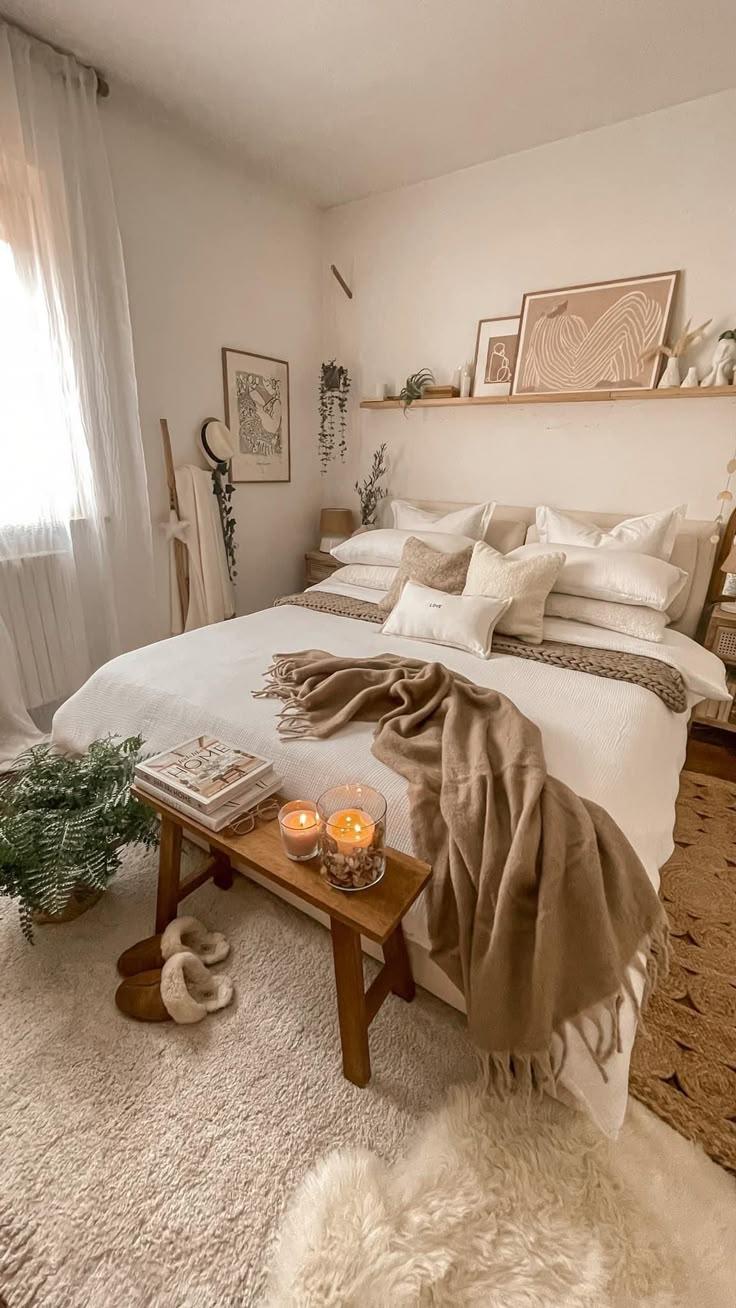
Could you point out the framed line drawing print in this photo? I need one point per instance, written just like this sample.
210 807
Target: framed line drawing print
495 352
591 338
257 412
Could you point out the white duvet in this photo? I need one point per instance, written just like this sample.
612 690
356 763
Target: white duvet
610 741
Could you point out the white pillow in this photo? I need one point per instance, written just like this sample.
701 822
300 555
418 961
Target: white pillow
460 621
616 575
525 582
472 521
631 619
653 534
372 576
385 546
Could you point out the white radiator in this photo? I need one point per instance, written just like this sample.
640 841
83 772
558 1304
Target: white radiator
39 605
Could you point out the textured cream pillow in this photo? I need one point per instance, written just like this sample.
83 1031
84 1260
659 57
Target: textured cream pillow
460 621
526 582
631 619
429 567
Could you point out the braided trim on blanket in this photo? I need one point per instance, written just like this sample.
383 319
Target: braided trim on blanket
660 678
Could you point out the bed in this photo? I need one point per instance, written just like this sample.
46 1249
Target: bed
611 741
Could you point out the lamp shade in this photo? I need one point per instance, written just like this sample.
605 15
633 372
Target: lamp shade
729 563
335 525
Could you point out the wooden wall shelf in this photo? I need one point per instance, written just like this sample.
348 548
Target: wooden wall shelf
573 397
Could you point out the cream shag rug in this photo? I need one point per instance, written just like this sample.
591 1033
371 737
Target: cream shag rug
149 1166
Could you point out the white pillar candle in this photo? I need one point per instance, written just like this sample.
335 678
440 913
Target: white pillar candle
299 829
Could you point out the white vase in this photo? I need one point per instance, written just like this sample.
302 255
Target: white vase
671 375
691 379
722 368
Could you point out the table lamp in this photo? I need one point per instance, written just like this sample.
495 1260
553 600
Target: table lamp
335 525
729 567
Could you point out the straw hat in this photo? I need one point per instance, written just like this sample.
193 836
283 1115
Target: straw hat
219 444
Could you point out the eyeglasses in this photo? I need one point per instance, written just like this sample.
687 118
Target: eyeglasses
266 811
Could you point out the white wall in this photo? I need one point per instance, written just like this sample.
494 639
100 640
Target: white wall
426 262
214 257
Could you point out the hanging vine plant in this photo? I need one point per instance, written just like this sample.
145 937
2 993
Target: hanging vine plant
334 388
223 488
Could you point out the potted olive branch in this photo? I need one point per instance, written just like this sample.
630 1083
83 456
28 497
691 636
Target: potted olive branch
370 492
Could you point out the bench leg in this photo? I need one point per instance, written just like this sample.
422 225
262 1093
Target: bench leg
351 1011
397 959
222 874
169 864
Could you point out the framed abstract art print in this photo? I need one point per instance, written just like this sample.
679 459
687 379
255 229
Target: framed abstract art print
592 337
257 411
495 352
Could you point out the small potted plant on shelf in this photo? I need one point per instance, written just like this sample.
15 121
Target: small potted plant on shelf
63 824
370 492
334 389
413 387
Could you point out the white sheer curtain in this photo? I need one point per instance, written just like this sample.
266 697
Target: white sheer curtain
76 574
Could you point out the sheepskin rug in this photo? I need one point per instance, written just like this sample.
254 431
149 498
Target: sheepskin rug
512 1206
150 1166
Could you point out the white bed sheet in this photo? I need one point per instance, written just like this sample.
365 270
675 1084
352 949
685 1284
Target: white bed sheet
610 741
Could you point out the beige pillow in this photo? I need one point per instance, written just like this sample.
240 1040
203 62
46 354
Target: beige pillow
430 567
491 573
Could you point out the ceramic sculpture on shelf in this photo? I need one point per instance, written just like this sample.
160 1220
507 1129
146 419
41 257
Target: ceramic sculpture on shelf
671 376
691 379
724 361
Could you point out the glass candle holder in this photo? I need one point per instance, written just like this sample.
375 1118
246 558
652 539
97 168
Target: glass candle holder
299 825
352 836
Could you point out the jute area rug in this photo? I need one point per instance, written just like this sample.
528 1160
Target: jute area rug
684 1065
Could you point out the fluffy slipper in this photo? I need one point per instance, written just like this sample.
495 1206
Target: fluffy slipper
182 990
182 933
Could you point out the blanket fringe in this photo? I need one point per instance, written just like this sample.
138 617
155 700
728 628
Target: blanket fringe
530 1074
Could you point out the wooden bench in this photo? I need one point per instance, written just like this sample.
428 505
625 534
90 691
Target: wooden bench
375 913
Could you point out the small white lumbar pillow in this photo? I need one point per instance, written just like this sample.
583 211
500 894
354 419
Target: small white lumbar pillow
616 575
525 582
652 534
460 621
370 575
471 521
385 546
630 619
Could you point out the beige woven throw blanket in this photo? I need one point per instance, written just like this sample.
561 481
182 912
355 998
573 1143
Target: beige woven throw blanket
616 665
537 906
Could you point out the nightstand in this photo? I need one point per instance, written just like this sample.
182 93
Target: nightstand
720 637
317 566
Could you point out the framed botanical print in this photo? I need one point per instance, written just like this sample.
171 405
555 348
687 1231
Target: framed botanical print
495 352
257 412
593 337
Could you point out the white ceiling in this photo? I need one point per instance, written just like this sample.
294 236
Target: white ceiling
340 98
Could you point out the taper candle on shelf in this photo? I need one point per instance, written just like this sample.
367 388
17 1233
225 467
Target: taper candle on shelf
352 836
299 825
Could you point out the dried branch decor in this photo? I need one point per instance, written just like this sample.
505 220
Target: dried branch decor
223 488
369 491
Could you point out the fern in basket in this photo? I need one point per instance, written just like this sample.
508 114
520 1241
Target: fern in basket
64 822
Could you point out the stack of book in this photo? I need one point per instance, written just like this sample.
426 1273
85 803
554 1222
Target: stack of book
208 780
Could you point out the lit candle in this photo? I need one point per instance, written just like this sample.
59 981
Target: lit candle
299 829
351 828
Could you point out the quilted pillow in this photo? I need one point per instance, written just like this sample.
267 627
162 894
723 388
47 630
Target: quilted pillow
429 567
526 582
631 619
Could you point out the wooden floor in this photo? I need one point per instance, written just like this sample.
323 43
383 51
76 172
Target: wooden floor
713 752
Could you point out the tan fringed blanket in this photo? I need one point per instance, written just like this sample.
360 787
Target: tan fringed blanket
616 665
538 906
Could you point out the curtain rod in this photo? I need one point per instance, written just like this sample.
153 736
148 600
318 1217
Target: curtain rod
103 86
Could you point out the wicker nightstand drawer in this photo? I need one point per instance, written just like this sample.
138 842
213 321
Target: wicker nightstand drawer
723 641
318 566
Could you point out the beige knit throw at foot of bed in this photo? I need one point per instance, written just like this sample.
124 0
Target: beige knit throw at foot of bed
538 906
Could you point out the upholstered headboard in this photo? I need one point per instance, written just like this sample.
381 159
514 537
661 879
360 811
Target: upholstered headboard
694 551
